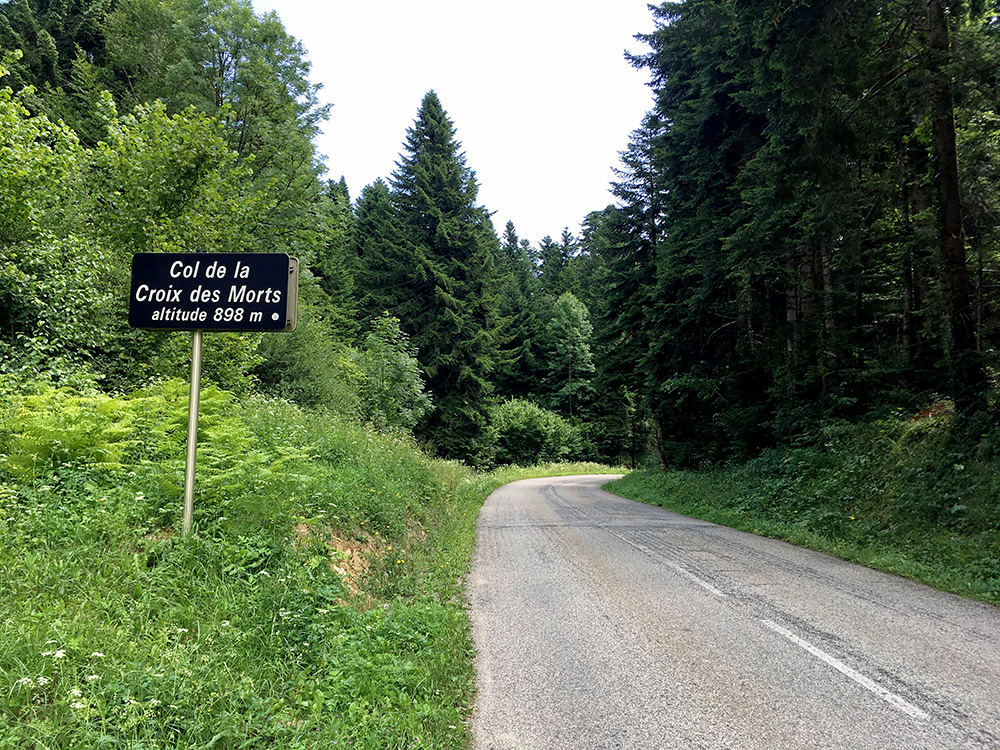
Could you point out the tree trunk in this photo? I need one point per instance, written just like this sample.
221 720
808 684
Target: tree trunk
966 369
661 437
829 355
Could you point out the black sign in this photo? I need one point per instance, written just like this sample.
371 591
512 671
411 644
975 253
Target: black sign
214 291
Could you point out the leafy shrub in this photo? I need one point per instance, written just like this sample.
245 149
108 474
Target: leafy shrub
522 433
308 366
123 634
392 387
249 633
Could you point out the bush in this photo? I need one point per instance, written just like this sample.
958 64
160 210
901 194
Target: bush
316 604
392 388
522 433
309 366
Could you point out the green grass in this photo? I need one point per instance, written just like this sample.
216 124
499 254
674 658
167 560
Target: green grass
320 602
898 496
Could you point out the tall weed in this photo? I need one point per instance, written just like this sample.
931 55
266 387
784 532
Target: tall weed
116 632
319 603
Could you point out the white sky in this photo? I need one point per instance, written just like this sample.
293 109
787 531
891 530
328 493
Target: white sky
539 91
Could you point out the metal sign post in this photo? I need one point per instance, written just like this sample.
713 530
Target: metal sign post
192 437
201 292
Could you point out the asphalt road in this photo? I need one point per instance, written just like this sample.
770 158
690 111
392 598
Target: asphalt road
604 623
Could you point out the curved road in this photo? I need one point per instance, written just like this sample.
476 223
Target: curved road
604 623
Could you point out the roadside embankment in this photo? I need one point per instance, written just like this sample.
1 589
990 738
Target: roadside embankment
318 603
900 495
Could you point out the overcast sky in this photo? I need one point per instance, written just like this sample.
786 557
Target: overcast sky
539 91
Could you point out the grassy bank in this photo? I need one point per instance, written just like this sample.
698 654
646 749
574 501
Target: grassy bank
898 496
319 603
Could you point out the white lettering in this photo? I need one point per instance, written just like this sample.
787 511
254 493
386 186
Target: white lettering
179 269
243 295
145 294
199 294
179 315
216 271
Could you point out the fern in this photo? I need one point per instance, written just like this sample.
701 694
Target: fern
58 426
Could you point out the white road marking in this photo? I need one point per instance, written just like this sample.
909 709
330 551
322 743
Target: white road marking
704 584
676 566
866 682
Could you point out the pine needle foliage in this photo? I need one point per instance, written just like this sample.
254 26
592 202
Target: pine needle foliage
448 300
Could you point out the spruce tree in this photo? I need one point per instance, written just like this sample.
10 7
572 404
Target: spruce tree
336 264
781 257
566 346
552 263
518 374
448 302
377 244
63 45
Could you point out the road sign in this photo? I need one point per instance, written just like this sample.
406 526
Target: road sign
214 291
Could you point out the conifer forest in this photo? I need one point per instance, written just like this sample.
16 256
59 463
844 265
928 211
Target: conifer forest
805 230
788 316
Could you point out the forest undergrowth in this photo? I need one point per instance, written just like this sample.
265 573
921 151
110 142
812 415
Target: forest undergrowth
901 495
318 603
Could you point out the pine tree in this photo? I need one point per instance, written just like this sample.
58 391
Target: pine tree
519 299
968 375
336 263
448 302
781 256
377 244
566 348
552 264
63 45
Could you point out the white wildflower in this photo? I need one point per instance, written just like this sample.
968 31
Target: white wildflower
97 655
75 693
78 705
59 654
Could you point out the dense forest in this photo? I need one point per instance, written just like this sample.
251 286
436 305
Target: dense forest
791 306
813 195
147 126
805 231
